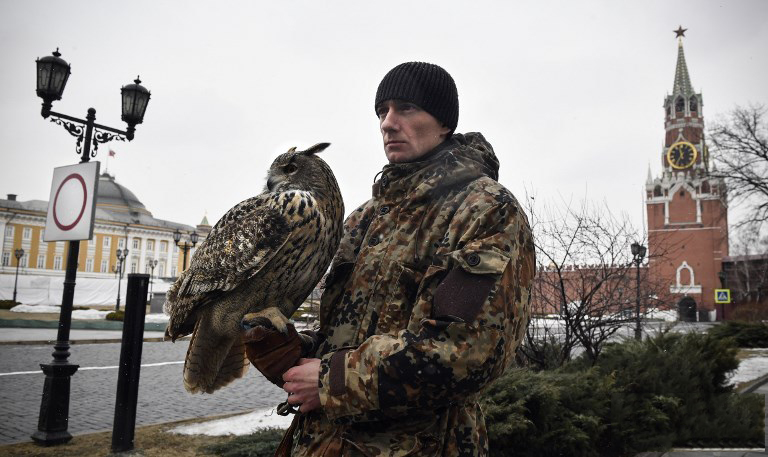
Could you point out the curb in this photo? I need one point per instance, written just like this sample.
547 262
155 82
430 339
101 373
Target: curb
74 342
85 324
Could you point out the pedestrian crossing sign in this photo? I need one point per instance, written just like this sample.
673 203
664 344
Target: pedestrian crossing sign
722 295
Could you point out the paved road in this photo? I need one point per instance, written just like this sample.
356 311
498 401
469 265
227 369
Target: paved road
162 397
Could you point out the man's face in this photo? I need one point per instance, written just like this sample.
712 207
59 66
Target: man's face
408 131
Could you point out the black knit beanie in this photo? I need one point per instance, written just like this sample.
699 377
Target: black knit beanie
426 85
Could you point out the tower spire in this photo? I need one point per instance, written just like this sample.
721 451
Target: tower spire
682 84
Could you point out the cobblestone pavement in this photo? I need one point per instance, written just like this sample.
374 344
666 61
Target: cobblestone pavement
162 397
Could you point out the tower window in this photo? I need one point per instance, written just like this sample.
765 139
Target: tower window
694 104
657 191
679 105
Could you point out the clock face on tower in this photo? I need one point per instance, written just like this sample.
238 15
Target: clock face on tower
681 155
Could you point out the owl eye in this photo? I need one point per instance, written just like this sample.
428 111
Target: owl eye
290 168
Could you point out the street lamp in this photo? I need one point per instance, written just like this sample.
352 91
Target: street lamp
185 246
122 256
151 264
18 253
638 253
52 75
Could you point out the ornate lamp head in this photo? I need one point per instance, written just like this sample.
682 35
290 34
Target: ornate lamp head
52 75
135 100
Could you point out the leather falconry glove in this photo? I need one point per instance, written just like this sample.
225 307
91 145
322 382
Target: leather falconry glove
271 351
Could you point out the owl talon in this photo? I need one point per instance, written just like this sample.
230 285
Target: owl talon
270 318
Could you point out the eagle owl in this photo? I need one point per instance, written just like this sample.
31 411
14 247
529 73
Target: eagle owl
264 256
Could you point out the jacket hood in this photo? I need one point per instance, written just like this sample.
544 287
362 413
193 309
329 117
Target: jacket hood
460 159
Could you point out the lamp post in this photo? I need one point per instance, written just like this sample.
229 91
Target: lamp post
122 256
18 253
185 246
151 264
52 75
638 253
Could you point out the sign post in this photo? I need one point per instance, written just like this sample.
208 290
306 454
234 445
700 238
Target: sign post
722 298
70 218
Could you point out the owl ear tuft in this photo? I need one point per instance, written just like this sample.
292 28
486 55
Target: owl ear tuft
319 147
293 149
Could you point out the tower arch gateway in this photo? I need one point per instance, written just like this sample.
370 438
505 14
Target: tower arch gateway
685 205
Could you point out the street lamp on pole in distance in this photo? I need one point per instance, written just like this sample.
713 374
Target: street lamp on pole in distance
638 253
18 253
151 263
122 257
193 237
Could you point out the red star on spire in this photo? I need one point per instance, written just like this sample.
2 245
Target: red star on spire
680 32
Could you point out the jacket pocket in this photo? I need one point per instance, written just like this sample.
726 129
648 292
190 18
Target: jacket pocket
461 295
398 303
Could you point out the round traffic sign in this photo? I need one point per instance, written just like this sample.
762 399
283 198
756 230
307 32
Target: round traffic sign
71 197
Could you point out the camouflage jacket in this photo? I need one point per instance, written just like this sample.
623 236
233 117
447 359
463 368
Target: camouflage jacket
427 298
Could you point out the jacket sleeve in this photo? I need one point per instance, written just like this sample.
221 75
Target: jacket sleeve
477 306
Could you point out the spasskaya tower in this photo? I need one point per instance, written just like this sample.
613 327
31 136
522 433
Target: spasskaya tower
687 211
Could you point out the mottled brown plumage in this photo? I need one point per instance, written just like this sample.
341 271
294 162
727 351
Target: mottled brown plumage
264 256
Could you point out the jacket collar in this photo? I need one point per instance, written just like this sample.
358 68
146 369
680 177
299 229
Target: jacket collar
461 158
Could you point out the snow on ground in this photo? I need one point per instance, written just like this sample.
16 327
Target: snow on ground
76 314
156 318
89 314
753 367
243 424
668 315
35 309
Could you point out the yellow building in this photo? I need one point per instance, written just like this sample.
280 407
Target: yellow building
122 221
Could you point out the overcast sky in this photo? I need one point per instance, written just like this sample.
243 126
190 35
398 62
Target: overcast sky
569 93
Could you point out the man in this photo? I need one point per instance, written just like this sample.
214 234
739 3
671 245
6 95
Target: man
427 297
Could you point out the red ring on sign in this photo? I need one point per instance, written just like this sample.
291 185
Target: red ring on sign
82 210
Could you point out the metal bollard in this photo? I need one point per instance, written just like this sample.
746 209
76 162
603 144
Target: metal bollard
130 363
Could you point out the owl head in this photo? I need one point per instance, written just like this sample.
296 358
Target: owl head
301 170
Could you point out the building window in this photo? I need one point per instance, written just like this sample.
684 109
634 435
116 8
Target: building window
693 103
6 259
121 243
679 105
163 246
27 233
107 241
88 265
57 262
8 230
161 269
137 244
41 261
150 245
23 261
173 271
103 266
133 267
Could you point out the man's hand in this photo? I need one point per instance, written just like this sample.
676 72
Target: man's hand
301 383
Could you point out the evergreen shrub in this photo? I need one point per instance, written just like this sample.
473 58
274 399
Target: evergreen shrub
262 443
116 316
669 390
8 304
745 334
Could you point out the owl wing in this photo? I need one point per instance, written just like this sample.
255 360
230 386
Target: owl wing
244 240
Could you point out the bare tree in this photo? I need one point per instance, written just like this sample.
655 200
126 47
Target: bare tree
740 152
586 288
